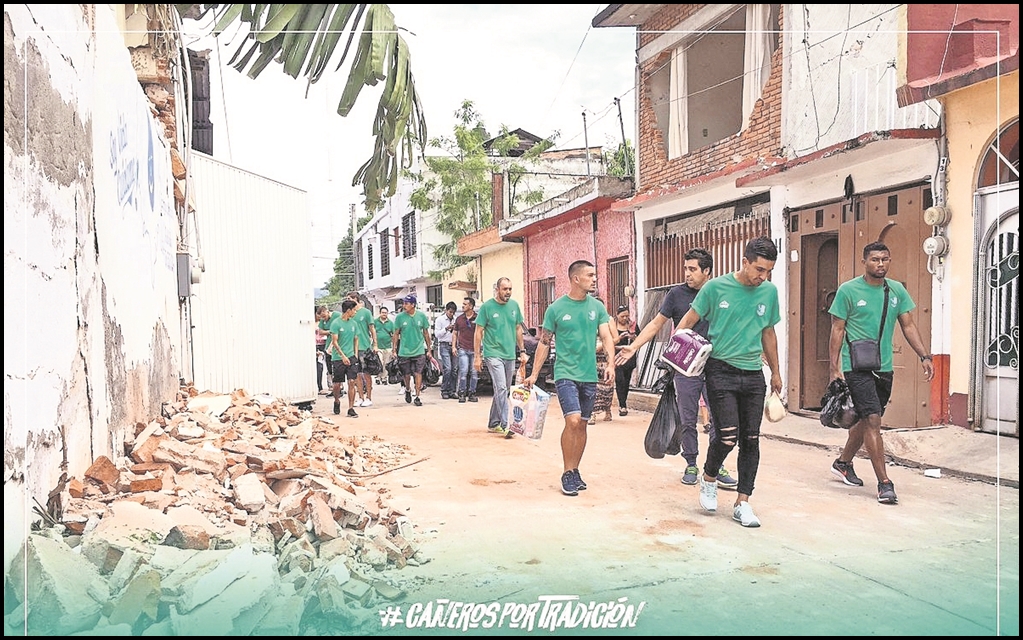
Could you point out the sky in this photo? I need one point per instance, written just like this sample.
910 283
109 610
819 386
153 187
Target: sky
534 67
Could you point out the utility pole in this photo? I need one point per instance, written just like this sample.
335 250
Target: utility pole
621 124
586 141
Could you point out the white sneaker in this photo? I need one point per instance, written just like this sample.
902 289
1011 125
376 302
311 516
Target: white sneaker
366 403
743 514
709 494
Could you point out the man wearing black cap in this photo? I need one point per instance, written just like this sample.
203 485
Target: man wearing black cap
411 344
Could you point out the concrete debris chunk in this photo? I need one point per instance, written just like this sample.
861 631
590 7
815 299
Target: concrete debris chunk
58 584
248 493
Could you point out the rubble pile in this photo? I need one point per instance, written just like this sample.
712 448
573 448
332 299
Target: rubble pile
230 514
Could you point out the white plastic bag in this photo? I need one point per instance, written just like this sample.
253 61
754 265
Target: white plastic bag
774 408
527 409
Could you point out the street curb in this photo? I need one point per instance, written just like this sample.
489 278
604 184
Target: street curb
905 462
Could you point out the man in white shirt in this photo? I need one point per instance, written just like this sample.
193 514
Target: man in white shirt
443 333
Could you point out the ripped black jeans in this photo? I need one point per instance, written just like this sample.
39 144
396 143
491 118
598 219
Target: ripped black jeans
737 407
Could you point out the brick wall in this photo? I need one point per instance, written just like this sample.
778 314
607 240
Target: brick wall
762 138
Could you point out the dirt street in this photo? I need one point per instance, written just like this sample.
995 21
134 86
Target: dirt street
828 559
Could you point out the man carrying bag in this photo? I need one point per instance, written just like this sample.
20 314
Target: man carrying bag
861 354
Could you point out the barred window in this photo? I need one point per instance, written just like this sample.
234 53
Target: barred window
369 260
385 252
408 231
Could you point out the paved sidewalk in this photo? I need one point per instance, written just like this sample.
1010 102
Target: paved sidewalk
954 450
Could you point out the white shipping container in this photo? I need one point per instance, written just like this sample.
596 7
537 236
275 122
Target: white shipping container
252 308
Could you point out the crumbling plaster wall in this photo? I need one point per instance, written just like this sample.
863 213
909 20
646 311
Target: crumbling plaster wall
91 310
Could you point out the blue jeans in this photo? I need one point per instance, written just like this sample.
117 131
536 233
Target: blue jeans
447 384
688 390
502 375
467 372
576 397
737 408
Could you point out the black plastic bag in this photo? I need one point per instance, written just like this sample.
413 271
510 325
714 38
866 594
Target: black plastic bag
431 372
663 425
837 409
664 381
371 364
393 372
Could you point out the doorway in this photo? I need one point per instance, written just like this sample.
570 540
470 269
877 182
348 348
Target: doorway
819 283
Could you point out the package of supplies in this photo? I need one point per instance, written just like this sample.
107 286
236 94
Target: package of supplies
527 409
687 352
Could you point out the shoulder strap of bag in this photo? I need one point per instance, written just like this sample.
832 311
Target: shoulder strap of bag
884 315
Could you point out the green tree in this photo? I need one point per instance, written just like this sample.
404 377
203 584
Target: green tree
621 162
457 185
343 279
303 39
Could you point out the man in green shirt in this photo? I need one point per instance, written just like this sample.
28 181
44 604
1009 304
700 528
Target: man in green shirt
741 309
576 320
384 328
857 314
324 317
499 344
343 349
411 345
368 340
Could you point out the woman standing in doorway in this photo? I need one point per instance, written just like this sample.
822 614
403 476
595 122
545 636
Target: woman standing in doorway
626 332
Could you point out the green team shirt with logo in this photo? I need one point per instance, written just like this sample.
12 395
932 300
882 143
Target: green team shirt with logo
738 315
575 325
363 319
325 324
411 342
499 322
860 304
346 332
384 331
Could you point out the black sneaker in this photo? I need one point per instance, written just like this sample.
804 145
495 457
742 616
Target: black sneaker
408 397
418 402
473 398
579 480
844 470
352 414
569 484
886 492
461 398
444 395
337 407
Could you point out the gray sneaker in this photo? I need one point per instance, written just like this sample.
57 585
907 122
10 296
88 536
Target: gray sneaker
691 475
886 493
708 494
726 481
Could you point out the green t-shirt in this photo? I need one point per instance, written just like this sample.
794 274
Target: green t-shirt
346 332
411 341
575 325
325 324
738 316
384 331
859 304
363 319
499 334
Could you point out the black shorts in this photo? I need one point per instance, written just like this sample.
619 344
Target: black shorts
340 370
870 391
411 366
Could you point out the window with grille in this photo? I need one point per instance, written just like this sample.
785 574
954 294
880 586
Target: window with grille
435 296
408 232
369 260
617 280
543 296
385 252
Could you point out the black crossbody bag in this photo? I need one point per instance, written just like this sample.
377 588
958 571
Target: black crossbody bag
865 355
